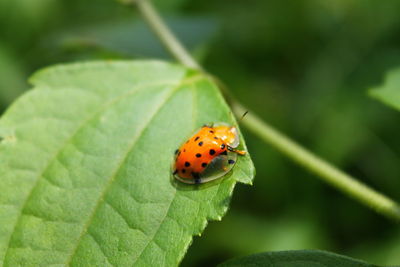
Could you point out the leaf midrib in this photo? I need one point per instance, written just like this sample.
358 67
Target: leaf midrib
117 169
174 196
68 140
115 173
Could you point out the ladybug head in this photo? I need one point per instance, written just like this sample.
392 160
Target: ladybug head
228 134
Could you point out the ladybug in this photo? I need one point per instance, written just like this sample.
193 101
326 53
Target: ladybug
209 154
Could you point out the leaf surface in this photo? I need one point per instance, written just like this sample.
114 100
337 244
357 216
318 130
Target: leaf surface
115 36
296 258
12 82
389 92
85 166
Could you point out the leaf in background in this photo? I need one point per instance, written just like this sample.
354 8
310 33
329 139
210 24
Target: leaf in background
33 13
133 38
254 234
299 258
85 166
12 77
389 92
388 253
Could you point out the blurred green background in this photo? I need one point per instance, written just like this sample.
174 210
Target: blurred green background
303 66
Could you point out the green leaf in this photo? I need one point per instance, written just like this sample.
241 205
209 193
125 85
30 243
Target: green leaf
85 166
12 82
296 258
34 13
115 36
389 92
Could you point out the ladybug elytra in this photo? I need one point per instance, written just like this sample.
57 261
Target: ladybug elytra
209 154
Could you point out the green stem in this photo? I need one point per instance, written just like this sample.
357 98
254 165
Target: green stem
165 35
267 133
324 170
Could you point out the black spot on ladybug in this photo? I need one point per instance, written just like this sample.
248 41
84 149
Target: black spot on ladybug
198 155
175 172
195 175
183 170
184 150
197 138
216 138
201 143
187 164
231 161
212 132
224 153
204 165
176 151
222 146
212 152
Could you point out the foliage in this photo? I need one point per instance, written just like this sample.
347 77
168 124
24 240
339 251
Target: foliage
304 66
97 188
389 93
300 258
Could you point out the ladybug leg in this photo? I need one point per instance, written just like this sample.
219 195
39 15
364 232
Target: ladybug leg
240 152
210 125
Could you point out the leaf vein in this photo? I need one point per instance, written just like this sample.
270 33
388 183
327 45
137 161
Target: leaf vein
100 248
114 175
63 145
174 197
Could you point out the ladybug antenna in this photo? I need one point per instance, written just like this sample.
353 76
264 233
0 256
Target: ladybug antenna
244 114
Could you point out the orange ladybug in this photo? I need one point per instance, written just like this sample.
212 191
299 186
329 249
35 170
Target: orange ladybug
209 154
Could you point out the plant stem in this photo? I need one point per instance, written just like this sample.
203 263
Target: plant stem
165 34
268 134
324 170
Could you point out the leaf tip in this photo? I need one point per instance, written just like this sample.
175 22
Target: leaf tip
373 92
